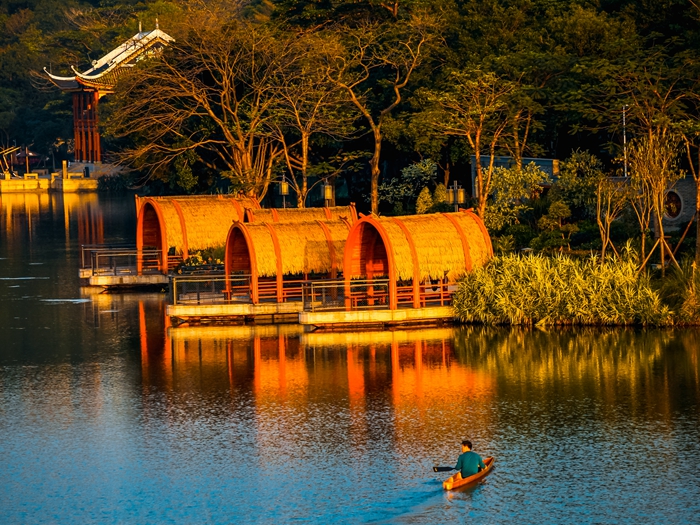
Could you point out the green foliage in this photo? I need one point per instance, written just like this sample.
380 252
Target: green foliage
512 190
503 244
681 291
406 187
208 258
440 194
555 232
579 176
184 177
424 202
540 290
115 183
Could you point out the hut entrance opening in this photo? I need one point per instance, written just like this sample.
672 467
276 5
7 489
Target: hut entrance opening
239 267
150 237
369 282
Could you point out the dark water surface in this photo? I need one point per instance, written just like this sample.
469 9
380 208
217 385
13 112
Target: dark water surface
108 416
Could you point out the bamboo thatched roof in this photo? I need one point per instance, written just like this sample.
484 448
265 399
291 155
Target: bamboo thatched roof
294 248
333 213
188 223
430 246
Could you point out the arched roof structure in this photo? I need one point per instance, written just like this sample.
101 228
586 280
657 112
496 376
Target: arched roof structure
184 224
416 248
265 250
333 213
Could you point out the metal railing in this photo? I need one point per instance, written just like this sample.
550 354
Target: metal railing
209 289
87 249
331 295
102 260
431 294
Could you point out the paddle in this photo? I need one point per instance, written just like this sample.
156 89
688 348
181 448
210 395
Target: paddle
442 469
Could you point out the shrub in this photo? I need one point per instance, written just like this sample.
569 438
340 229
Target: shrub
559 290
424 202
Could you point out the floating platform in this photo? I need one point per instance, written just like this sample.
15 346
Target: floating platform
365 319
235 313
128 281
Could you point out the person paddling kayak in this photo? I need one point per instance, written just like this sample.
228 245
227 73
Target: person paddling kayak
468 463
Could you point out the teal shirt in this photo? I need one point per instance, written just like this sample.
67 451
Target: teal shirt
468 464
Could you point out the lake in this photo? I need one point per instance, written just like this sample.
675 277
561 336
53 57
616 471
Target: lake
109 415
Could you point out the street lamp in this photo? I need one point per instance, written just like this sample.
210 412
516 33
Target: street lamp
456 195
624 134
328 193
284 191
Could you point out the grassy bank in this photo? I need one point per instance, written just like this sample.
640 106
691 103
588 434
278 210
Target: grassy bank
560 290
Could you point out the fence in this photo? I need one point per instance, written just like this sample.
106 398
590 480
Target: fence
116 259
431 294
119 261
332 295
86 251
209 289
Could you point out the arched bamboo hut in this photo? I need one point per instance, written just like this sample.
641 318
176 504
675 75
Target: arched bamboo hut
420 255
333 213
177 226
278 256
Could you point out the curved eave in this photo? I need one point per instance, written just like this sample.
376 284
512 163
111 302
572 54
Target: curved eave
64 83
119 63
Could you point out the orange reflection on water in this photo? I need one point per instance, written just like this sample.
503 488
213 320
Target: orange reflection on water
20 214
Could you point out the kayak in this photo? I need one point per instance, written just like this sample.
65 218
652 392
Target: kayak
452 484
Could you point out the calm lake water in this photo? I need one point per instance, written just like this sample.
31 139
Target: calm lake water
108 416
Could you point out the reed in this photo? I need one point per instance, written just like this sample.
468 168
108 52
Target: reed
539 290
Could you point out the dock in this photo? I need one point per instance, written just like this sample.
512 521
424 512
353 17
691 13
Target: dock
116 267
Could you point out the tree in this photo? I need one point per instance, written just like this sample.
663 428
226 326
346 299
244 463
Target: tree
399 191
511 191
307 104
474 106
578 182
210 96
557 233
373 63
611 199
654 168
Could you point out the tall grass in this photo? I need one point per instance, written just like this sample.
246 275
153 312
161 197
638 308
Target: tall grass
539 290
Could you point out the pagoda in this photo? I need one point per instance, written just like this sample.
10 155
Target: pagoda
88 87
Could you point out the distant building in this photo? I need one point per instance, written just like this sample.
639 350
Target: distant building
549 166
88 87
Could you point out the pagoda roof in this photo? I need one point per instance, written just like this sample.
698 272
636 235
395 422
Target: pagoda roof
103 74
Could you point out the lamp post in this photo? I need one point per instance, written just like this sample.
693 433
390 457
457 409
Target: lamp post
284 191
624 134
328 193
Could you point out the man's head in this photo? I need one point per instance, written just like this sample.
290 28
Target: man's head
466 445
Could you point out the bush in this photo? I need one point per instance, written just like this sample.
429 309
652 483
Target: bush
424 202
559 290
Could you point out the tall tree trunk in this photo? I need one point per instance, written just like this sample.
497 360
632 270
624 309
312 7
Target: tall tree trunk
480 193
697 219
374 166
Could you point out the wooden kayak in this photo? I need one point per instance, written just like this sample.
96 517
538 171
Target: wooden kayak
452 484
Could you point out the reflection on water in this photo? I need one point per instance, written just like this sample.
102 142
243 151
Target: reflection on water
110 415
